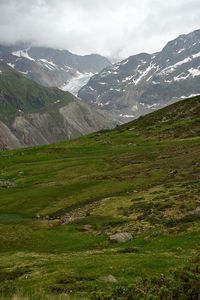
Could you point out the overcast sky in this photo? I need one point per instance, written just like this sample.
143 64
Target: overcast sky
118 28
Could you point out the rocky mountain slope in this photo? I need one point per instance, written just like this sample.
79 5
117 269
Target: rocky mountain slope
146 82
88 218
50 67
33 115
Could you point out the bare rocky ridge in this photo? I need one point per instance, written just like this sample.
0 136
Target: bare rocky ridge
34 115
70 121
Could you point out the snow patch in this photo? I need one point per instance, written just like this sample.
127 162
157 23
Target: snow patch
23 53
181 50
74 85
11 65
127 116
148 69
179 77
194 72
26 72
124 62
190 96
184 61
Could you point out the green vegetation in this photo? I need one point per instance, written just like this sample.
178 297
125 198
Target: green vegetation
19 93
180 284
141 177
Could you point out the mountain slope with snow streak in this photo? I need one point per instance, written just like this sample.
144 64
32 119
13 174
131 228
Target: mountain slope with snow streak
146 82
51 67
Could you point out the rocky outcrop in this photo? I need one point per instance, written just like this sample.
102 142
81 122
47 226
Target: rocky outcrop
121 237
58 124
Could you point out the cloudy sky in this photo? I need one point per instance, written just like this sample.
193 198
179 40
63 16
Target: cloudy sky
115 28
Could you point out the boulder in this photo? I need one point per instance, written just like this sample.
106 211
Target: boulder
173 172
121 237
109 278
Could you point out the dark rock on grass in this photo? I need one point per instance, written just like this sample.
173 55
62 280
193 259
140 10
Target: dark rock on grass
173 172
121 237
198 164
109 278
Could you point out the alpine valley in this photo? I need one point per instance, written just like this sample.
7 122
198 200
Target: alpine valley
146 82
111 215
52 67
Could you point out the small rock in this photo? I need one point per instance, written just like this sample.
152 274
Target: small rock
172 172
164 119
87 227
197 164
109 278
121 237
195 211
38 216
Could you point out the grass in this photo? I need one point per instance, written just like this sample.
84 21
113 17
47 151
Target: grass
114 181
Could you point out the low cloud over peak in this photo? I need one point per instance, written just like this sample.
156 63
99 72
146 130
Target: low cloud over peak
108 27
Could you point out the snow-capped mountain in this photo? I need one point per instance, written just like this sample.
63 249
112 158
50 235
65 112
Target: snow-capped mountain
51 67
146 82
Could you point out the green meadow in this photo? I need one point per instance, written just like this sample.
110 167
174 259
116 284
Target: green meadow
142 177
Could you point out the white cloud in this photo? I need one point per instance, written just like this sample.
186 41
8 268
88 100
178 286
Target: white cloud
108 27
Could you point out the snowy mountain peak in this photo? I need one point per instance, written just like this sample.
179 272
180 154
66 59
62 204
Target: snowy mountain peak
145 82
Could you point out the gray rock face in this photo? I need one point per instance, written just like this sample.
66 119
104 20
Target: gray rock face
51 67
57 124
34 115
121 237
146 82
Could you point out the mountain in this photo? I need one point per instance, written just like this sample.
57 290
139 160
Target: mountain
61 205
51 67
31 114
146 82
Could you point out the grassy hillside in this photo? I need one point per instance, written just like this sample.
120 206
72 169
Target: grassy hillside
20 93
141 177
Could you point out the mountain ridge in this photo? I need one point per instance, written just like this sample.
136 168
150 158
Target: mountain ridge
31 114
50 67
145 82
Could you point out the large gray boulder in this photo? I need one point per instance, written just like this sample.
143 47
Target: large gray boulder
121 237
